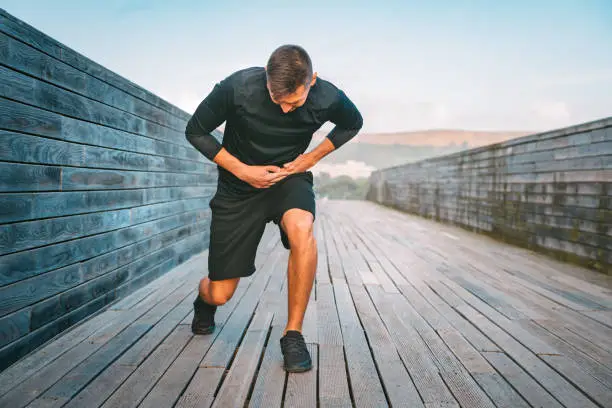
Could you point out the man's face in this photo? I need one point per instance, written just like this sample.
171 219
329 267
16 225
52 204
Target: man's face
291 102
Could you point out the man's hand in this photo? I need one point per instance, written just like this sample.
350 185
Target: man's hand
301 164
262 176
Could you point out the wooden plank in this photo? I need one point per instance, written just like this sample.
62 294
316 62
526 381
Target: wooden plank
27 391
302 387
29 60
366 386
26 177
22 265
413 352
172 382
270 380
322 261
17 147
28 90
335 264
75 178
515 332
26 367
36 121
235 387
558 386
457 378
496 387
14 326
334 389
400 389
83 373
594 368
200 393
31 36
525 385
135 389
31 234
328 325
597 391
585 345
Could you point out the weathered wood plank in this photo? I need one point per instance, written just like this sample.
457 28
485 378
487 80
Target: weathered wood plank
135 389
25 178
27 391
270 380
22 265
496 387
366 385
302 388
28 206
400 389
74 178
241 374
25 89
200 393
558 386
28 59
413 352
33 120
37 360
16 147
31 36
31 234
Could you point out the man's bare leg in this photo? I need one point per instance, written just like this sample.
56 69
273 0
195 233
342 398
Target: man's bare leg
217 292
302 265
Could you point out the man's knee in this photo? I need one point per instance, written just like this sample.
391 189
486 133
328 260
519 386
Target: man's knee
220 292
298 225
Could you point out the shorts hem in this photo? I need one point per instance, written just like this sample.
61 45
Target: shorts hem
216 278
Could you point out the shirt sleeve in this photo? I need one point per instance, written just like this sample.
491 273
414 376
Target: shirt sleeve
209 115
347 118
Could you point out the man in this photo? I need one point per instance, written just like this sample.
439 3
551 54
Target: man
271 114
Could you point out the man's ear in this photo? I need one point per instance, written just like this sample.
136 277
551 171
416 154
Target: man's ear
314 79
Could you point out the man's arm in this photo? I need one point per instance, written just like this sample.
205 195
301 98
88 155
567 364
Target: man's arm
211 113
348 121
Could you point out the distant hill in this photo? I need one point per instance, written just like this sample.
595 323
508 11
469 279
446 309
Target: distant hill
371 151
435 137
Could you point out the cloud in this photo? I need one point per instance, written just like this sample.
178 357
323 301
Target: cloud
552 111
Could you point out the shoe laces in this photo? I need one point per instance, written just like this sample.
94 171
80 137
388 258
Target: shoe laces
295 345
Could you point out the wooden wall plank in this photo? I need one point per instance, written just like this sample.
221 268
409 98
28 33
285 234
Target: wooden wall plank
30 35
27 59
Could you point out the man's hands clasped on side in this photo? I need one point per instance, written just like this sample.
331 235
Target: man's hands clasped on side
262 176
267 176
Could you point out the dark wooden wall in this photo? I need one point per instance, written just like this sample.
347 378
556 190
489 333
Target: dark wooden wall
551 192
100 192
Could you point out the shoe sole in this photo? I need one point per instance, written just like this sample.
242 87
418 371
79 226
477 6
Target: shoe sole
298 369
203 331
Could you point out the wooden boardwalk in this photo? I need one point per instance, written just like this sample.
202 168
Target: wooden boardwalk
405 312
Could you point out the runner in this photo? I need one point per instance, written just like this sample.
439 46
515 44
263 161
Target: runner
271 114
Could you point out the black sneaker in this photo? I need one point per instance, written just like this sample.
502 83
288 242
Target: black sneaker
297 357
203 317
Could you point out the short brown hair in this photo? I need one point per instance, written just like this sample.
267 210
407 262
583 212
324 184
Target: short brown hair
288 67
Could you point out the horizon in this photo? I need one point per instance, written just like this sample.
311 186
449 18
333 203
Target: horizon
477 67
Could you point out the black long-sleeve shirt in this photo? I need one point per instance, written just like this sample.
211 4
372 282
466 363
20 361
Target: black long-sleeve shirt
257 132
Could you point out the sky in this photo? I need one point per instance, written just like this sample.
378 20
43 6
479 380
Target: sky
530 65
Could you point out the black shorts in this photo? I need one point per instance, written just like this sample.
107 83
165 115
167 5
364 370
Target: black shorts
238 223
